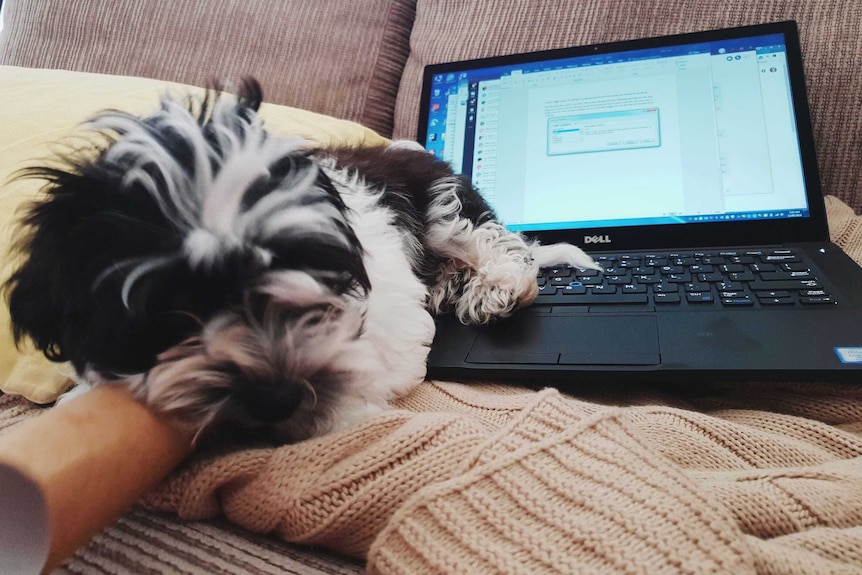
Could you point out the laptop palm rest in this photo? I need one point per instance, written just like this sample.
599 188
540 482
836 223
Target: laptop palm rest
582 339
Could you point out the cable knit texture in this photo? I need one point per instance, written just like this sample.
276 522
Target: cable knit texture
489 479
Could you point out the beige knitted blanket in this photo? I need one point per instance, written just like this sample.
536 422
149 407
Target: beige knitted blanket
488 479
497 479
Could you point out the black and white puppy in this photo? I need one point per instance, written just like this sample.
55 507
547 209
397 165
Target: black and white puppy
234 278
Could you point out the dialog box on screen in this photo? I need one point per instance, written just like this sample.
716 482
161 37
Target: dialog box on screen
604 131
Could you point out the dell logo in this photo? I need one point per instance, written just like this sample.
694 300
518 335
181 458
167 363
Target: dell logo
597 239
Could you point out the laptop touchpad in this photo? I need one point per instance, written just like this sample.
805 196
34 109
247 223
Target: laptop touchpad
577 339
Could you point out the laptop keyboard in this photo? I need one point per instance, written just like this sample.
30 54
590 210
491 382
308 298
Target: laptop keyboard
769 278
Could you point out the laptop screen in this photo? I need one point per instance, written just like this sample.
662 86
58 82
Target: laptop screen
692 132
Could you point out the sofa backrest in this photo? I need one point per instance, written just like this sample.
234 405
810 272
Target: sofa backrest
450 30
346 58
334 57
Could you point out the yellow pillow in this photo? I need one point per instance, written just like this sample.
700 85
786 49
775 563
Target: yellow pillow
39 108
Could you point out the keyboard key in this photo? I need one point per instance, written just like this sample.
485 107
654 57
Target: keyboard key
666 298
745 276
615 271
781 276
643 270
775 300
699 297
779 258
696 286
795 285
618 280
737 301
574 288
817 300
629 263
593 299
678 278
774 294
582 273
759 267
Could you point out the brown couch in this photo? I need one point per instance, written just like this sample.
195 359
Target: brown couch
362 60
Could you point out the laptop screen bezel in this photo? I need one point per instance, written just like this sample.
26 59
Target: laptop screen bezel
734 233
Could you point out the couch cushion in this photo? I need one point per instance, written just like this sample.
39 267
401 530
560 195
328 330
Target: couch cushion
38 108
338 58
449 30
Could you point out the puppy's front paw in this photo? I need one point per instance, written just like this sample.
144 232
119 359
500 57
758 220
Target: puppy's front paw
495 293
508 283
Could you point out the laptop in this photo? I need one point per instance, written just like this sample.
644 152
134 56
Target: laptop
685 165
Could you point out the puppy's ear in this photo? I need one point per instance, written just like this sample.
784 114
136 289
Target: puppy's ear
60 295
249 97
33 307
250 94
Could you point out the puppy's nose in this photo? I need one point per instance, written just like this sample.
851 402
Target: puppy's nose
271 404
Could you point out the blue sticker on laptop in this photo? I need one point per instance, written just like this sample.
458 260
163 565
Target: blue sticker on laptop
849 354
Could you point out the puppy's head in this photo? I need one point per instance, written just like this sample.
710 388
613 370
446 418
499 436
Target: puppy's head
198 257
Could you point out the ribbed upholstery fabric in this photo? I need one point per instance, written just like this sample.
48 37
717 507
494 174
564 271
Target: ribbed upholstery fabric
145 543
343 59
450 30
